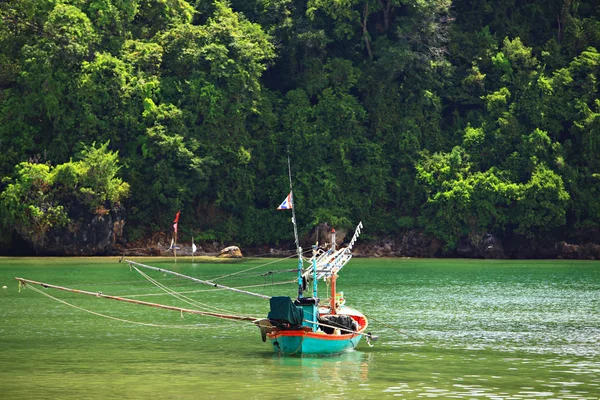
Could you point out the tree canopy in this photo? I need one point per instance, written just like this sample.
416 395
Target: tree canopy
454 117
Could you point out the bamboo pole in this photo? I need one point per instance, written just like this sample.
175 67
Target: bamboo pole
175 226
143 303
175 248
216 285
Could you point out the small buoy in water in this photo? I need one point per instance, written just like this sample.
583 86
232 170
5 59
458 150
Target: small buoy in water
4 287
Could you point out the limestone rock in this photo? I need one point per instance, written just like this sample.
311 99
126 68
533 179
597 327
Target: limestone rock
416 243
231 252
91 236
481 246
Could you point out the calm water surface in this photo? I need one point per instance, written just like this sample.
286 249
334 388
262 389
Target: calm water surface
448 329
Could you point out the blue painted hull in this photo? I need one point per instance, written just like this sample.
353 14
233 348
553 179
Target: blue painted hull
301 344
304 342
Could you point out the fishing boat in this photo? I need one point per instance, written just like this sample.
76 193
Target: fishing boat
305 326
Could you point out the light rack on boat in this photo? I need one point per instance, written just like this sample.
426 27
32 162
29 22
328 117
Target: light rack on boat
331 261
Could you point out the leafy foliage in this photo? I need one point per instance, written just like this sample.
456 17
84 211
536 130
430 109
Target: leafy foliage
41 197
457 118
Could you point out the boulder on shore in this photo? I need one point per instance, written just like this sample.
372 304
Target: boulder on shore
231 252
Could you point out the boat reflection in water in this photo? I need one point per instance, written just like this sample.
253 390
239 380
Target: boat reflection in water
338 374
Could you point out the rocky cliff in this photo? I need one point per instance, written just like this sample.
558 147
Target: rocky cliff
95 235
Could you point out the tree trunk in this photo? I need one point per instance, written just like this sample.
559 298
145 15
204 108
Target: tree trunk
562 18
366 32
385 8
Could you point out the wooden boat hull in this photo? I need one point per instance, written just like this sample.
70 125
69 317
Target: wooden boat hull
304 342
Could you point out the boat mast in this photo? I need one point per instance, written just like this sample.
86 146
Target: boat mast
333 276
298 248
314 274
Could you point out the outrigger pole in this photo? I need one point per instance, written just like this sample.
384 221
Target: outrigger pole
143 303
216 285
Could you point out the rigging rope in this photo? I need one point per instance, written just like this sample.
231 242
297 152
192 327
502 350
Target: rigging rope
177 295
258 266
111 317
197 326
96 283
208 290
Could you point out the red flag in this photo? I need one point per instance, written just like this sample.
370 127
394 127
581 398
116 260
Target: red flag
177 217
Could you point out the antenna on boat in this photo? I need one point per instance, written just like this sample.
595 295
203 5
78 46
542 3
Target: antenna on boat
298 248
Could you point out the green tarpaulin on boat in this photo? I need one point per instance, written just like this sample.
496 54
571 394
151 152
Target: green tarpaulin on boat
283 309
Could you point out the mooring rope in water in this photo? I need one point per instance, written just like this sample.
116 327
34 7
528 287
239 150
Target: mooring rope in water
111 317
391 327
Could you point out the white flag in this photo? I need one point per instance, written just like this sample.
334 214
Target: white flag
193 247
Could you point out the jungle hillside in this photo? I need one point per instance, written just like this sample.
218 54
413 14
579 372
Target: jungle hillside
455 119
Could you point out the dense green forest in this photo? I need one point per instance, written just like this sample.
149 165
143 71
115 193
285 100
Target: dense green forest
453 117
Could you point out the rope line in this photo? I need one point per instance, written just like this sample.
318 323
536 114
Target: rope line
177 295
111 317
119 283
391 327
258 266
197 326
208 290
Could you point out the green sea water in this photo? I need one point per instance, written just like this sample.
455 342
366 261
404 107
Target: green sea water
448 329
